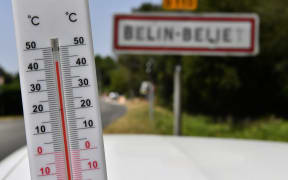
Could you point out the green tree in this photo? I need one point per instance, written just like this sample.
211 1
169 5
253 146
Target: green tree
120 80
104 67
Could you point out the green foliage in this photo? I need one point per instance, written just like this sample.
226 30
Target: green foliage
137 121
8 77
268 128
148 7
10 95
120 79
104 67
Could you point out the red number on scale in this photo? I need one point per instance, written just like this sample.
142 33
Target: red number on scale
45 171
40 150
93 165
87 145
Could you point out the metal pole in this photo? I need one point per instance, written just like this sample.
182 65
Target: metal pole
177 101
151 101
149 69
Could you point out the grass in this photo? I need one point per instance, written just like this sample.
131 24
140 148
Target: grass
5 118
136 121
269 128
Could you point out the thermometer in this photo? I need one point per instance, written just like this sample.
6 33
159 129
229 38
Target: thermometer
59 89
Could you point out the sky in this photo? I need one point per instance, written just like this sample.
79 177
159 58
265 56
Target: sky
101 16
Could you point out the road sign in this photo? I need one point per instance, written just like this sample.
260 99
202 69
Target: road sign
59 89
180 4
198 34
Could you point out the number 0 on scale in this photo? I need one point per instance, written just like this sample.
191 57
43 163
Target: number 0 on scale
59 89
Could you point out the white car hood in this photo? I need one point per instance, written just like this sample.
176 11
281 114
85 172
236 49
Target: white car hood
182 158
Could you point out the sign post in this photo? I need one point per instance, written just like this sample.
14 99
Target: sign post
177 101
151 95
151 101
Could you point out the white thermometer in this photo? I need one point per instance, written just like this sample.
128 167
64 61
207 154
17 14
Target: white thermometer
59 89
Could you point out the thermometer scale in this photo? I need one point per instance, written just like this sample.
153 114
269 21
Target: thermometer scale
59 89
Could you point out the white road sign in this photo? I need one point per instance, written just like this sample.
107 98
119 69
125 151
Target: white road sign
202 34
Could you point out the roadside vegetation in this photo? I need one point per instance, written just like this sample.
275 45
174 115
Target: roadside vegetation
137 121
9 118
10 95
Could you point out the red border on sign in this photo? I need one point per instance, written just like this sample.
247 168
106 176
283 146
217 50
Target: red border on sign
118 18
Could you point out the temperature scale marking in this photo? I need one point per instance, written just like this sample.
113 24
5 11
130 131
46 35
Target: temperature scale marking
55 50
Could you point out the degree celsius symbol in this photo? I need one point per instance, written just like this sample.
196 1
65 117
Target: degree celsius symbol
72 16
35 20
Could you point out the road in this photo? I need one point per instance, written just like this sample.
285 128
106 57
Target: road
12 132
12 136
111 112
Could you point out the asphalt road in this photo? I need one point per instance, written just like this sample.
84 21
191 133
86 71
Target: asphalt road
110 112
12 136
12 132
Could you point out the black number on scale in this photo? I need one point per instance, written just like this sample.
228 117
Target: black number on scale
83 82
38 108
40 129
31 45
81 61
88 123
79 40
85 103
33 66
35 87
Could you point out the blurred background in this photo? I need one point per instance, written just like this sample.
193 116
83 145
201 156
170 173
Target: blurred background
229 97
